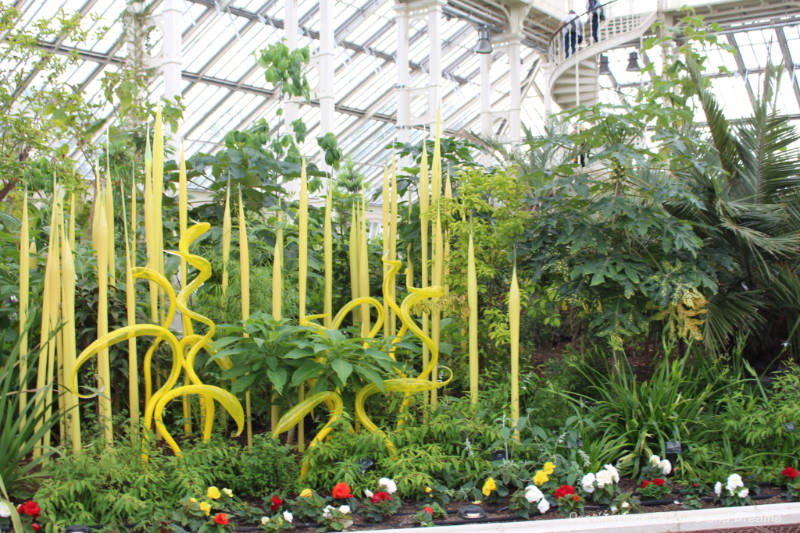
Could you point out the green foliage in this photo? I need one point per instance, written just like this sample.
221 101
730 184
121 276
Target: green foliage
23 429
671 405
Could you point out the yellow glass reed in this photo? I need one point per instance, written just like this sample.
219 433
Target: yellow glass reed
100 239
226 238
51 298
277 301
244 274
386 236
72 220
363 267
183 221
352 255
130 307
472 301
424 216
24 292
393 243
72 417
327 251
149 235
109 209
513 322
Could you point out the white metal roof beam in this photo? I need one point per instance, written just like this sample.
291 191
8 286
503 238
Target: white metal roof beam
737 56
787 62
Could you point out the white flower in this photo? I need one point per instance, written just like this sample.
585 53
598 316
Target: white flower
605 477
613 471
5 512
588 482
613 509
288 516
625 505
533 494
655 460
368 493
543 506
743 493
734 482
264 520
718 488
326 511
344 509
665 466
388 485
228 493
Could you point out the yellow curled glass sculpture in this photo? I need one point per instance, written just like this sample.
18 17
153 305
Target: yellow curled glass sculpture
183 351
403 384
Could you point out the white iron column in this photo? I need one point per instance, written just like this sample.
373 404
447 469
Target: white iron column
403 79
434 33
514 120
486 96
326 58
516 17
290 29
171 29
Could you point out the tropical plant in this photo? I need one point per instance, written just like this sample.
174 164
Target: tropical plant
24 428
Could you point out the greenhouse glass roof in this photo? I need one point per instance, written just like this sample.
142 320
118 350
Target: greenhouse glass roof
223 88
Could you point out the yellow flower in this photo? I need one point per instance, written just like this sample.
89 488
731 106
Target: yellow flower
213 493
228 493
205 507
306 493
192 500
549 467
489 487
428 490
540 478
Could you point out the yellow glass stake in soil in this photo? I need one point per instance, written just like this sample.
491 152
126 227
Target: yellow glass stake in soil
226 238
424 206
73 421
302 278
186 324
100 237
277 300
438 247
363 266
393 241
513 322
109 209
244 267
327 250
472 300
386 233
130 305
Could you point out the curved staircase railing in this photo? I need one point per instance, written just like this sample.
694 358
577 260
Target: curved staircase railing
579 70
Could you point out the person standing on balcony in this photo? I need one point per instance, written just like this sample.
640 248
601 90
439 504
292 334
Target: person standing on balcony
571 27
593 9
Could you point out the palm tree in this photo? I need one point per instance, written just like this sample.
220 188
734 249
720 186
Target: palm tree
747 184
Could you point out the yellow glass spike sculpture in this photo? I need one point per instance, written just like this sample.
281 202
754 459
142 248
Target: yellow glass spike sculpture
183 351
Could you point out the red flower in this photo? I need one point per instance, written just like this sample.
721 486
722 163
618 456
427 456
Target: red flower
790 472
564 490
380 497
658 481
30 508
645 483
695 485
276 502
341 491
575 498
221 519
36 527
428 510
